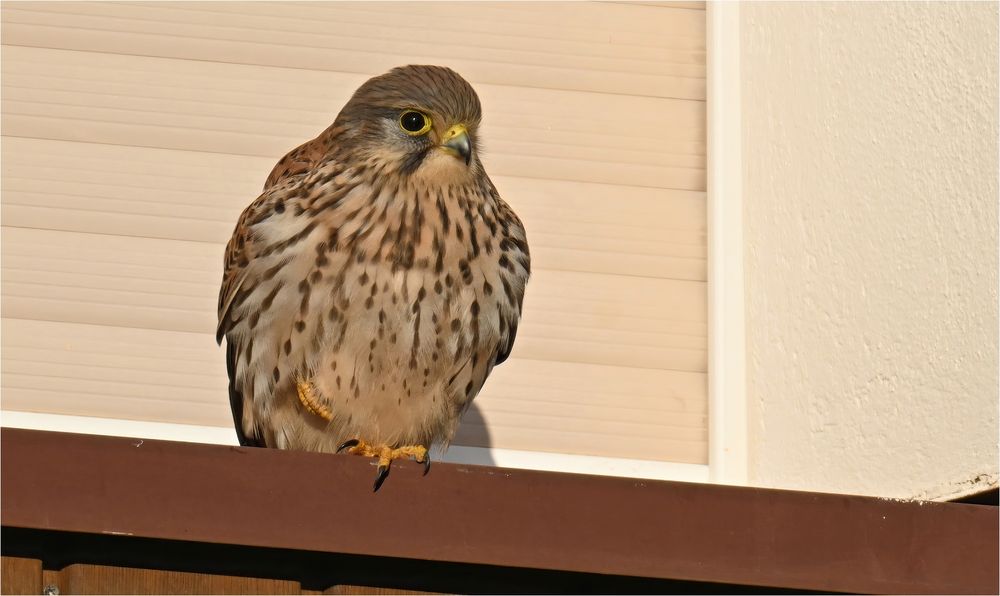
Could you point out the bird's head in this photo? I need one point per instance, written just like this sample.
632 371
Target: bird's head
415 120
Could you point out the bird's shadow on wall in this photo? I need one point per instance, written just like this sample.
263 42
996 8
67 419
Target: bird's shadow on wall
471 444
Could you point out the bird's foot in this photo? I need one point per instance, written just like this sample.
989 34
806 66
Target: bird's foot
386 455
310 403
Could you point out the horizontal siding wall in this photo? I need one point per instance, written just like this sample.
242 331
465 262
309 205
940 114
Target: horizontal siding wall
135 133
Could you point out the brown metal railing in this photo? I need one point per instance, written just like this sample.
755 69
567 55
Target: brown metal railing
134 496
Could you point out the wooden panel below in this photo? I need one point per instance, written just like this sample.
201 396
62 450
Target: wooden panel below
26 576
20 576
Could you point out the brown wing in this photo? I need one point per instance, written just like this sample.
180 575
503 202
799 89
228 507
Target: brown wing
236 403
303 158
237 282
514 277
239 251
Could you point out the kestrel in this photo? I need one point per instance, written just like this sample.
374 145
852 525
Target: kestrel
373 286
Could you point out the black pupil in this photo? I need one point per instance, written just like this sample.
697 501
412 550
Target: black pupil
413 121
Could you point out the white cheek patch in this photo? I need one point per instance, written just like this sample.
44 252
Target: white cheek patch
441 167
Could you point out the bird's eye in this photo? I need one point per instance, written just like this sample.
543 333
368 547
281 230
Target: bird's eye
414 123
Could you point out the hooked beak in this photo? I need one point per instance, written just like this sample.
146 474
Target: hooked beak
456 142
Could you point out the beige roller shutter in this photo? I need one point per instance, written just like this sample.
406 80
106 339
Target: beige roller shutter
135 133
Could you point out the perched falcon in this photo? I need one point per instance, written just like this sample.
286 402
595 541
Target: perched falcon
376 282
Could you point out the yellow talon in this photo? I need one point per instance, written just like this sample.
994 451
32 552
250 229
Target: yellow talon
359 447
417 452
385 456
310 403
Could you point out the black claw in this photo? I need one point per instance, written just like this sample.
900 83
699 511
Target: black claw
383 471
427 463
348 444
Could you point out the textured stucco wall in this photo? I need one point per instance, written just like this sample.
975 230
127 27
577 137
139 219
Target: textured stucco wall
870 195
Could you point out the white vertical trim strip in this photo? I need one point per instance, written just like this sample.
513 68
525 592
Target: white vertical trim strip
507 458
728 447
